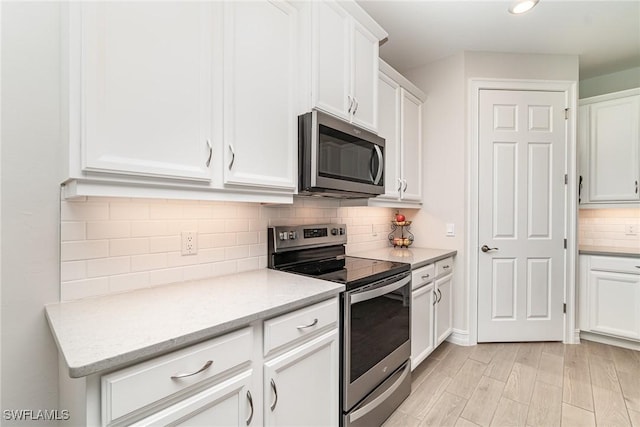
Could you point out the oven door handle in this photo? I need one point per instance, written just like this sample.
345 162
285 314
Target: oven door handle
367 295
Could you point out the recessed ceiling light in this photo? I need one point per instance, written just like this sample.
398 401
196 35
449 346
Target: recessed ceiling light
522 6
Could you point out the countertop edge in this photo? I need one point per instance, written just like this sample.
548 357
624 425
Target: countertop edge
160 348
605 252
434 259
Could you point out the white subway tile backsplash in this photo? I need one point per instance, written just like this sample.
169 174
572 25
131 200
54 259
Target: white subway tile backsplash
73 270
607 227
108 266
133 246
108 230
129 244
148 262
84 249
128 282
72 230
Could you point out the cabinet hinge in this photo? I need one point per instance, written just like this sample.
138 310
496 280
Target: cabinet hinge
566 114
565 243
564 308
566 178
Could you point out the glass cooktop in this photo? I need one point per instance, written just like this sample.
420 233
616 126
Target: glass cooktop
350 271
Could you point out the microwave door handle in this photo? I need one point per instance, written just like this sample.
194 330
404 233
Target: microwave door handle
376 181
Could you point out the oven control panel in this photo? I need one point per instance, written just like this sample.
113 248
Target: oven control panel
291 237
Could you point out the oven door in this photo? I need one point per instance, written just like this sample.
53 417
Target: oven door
375 335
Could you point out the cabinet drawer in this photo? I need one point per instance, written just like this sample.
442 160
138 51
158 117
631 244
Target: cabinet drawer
422 276
133 388
290 327
444 266
621 265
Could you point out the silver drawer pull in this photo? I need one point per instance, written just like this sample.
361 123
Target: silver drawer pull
314 323
445 267
426 276
250 399
275 392
204 368
208 162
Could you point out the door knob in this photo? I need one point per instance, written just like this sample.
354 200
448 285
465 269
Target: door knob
486 248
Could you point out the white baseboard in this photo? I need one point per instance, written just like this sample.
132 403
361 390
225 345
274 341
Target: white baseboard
605 339
459 337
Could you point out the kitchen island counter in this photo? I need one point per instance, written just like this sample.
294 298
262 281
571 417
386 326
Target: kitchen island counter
417 257
102 333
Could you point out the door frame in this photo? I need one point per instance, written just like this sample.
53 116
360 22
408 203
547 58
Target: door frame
570 334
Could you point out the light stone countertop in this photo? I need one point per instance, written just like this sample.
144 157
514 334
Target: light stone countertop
609 251
102 333
417 257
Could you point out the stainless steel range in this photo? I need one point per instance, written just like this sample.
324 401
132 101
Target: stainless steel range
375 373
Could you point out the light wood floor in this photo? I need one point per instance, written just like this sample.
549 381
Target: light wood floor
524 384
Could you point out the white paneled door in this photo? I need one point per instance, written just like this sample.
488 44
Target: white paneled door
521 201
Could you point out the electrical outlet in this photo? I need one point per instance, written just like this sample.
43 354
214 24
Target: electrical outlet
631 230
189 243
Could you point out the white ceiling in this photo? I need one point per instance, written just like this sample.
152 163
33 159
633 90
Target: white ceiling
605 34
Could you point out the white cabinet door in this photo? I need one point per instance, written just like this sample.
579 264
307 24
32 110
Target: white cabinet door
229 403
389 129
614 303
421 324
614 150
331 58
260 126
143 70
364 75
411 136
444 308
301 386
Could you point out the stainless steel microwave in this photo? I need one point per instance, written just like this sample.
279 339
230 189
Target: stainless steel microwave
338 159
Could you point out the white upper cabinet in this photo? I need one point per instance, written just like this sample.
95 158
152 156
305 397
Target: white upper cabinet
400 106
609 141
342 50
192 100
145 88
260 138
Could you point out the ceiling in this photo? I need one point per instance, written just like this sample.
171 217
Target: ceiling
605 34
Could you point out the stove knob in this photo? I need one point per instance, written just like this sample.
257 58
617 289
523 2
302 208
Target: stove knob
341 231
284 236
334 231
293 235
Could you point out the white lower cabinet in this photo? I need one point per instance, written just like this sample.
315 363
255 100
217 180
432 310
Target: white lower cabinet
283 371
301 386
229 403
609 295
431 308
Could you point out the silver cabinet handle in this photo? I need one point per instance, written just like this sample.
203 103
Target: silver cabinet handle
275 392
486 248
350 103
439 296
426 276
636 187
204 368
314 323
435 297
446 267
250 399
399 185
404 190
233 156
208 162
356 107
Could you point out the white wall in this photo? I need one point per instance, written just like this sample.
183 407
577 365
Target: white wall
446 147
614 82
30 219
444 170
